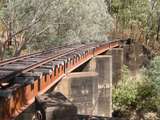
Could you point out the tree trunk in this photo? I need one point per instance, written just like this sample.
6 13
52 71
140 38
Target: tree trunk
108 2
140 115
1 51
158 28
19 50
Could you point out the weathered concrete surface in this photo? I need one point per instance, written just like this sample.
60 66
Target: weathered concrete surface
104 98
91 94
80 75
51 106
64 86
27 114
55 106
80 90
136 56
82 94
117 62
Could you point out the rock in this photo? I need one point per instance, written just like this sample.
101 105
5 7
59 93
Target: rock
55 106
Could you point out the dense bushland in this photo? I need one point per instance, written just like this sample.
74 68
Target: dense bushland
139 95
140 18
28 25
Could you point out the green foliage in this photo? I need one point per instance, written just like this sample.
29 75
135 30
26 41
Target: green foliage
154 78
129 11
124 94
42 23
140 17
147 98
139 94
1 13
9 52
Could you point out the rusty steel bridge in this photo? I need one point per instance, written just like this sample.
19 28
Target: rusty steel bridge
26 77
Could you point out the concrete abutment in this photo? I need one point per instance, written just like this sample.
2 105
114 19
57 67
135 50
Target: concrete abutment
91 94
117 63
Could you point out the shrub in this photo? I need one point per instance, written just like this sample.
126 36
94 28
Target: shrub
139 94
124 94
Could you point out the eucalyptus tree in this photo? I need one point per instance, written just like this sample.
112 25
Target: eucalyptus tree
138 16
74 21
38 24
83 20
24 21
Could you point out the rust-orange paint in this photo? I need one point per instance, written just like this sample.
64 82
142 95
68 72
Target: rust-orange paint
25 95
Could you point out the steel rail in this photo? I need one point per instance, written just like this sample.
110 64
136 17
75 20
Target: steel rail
14 59
7 78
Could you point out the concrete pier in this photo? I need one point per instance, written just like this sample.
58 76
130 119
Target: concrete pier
91 92
81 87
90 89
117 64
117 57
104 97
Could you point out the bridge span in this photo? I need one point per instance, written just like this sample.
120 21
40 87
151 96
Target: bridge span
24 78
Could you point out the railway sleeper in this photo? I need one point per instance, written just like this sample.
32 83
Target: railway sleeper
24 80
25 62
44 71
8 92
13 67
58 62
5 93
36 75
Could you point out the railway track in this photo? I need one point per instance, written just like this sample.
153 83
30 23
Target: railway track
23 64
25 77
14 59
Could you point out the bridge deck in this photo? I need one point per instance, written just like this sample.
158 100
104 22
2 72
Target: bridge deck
23 78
